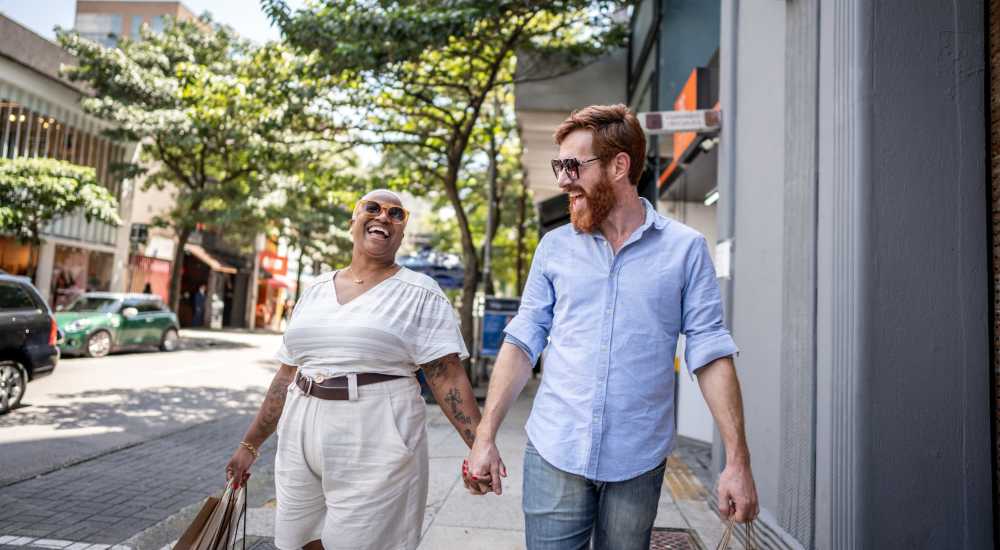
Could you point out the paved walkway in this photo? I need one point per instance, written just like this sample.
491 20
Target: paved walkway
142 497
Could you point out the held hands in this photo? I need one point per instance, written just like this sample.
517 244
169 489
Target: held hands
737 493
483 470
239 466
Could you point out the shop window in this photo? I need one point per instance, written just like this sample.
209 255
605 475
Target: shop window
16 257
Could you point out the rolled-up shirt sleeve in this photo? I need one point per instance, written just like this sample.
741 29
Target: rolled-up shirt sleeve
529 329
707 337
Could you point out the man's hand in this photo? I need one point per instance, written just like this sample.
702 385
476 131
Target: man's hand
485 468
737 493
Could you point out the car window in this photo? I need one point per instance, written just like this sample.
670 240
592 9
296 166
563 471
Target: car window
13 296
148 307
94 303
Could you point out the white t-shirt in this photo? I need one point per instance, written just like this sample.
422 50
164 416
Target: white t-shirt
401 323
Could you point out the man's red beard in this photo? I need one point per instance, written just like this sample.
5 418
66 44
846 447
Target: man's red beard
600 201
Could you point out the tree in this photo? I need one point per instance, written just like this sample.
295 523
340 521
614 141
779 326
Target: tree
217 118
314 208
425 69
34 192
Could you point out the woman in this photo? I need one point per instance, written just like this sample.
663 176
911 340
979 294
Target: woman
351 467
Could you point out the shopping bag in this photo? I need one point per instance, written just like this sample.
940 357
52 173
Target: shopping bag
751 536
216 526
193 532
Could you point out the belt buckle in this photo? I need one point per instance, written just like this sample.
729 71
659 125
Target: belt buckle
319 378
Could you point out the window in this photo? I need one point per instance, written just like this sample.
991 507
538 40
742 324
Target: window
136 26
94 303
157 24
13 296
148 307
100 27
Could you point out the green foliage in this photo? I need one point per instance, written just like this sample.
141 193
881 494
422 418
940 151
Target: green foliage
221 121
422 71
217 116
34 192
314 209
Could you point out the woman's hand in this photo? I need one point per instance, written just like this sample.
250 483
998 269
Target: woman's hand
239 466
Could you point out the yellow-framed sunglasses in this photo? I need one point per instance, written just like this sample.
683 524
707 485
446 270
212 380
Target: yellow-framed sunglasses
396 213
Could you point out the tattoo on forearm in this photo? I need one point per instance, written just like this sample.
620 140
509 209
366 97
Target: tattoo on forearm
274 402
454 399
468 436
436 369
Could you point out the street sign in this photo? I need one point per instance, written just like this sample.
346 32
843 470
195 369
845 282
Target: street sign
496 314
670 122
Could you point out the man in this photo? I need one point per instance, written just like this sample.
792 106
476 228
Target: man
609 295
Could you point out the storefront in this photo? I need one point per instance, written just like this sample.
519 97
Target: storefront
16 257
274 291
149 275
206 289
77 270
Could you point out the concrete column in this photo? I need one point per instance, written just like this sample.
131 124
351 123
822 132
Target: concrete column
796 508
46 262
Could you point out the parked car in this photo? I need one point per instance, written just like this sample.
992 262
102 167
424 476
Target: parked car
28 339
97 323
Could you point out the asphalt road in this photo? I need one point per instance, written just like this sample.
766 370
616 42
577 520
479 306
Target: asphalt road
90 407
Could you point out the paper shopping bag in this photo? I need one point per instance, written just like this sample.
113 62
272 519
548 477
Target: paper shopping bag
750 534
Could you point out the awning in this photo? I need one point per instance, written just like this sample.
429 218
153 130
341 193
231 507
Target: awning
215 265
280 281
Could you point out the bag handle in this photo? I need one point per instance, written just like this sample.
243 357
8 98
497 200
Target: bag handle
751 536
243 516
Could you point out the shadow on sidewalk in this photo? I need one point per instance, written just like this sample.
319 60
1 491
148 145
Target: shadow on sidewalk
132 409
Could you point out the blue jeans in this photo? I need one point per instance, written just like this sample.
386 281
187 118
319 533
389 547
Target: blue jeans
563 511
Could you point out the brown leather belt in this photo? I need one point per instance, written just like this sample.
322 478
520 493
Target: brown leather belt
336 388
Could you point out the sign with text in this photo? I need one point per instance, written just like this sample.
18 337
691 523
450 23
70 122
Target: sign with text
496 314
672 122
273 263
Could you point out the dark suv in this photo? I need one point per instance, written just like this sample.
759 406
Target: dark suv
28 336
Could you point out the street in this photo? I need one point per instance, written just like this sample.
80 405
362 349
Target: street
89 407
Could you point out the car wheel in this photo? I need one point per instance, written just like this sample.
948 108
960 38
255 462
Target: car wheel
12 386
99 344
169 340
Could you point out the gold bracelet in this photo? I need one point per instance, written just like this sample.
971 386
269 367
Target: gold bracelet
253 450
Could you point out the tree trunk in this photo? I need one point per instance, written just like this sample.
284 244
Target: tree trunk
470 257
521 215
176 270
298 275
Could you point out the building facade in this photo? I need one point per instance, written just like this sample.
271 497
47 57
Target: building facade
40 117
107 21
848 196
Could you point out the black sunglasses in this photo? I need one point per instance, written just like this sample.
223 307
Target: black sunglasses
571 166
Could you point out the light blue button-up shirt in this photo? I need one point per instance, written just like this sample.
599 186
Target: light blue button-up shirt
604 409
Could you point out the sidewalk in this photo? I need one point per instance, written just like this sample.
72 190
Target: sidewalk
143 497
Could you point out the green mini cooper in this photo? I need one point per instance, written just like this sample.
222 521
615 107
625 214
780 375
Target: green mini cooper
98 323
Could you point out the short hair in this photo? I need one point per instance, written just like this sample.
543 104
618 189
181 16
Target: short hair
615 129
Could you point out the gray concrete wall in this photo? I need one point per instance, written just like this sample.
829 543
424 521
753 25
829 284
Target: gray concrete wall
903 432
757 256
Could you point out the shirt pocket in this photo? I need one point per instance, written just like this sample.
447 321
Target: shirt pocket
652 295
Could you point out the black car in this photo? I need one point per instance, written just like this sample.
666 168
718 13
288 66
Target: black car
28 339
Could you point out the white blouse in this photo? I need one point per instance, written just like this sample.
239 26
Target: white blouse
401 323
